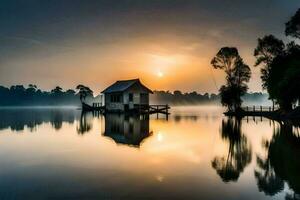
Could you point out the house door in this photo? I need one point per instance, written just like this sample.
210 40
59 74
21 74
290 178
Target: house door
131 105
126 107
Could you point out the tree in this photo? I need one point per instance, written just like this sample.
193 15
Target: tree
281 71
230 96
292 27
237 76
177 93
57 90
84 92
267 49
283 82
31 89
226 59
70 92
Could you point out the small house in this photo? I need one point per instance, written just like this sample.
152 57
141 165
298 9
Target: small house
126 95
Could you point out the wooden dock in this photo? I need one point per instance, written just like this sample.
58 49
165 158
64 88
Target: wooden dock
273 113
259 111
138 109
152 109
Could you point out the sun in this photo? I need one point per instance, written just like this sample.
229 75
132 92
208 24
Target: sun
160 74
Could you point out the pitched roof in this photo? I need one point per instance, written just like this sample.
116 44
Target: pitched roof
121 86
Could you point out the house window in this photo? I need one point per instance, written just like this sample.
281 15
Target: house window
115 98
144 98
130 97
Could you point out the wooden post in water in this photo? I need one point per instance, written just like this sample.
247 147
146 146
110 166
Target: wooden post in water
253 108
260 108
167 113
247 108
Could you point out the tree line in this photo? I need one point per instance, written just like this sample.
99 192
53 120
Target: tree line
280 69
18 95
190 98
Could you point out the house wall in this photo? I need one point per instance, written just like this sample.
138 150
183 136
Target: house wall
114 106
137 90
140 97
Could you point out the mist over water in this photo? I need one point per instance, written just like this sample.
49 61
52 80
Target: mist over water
196 154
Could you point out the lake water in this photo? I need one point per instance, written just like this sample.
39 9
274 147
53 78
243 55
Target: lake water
196 154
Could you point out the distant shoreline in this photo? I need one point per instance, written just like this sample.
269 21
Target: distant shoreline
40 107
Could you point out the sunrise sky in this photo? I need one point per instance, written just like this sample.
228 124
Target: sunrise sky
168 44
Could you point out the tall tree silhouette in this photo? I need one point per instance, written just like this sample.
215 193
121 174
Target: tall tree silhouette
239 153
84 92
283 82
267 49
292 27
237 76
281 66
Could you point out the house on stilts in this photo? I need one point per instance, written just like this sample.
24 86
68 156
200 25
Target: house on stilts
128 96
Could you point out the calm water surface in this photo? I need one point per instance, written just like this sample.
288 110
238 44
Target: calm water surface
197 154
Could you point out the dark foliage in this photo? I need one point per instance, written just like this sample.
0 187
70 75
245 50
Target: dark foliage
84 92
193 98
283 83
237 76
281 71
32 96
292 27
179 98
267 49
18 95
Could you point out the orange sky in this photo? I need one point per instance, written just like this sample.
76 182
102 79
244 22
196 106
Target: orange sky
160 66
167 44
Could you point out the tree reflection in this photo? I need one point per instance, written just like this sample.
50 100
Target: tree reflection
20 119
57 120
282 163
238 157
85 123
266 178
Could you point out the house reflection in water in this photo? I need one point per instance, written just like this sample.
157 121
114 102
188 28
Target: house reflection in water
128 130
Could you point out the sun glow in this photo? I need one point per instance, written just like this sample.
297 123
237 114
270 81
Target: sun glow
159 137
163 63
160 74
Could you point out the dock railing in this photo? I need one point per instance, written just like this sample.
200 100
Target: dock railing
150 109
260 108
